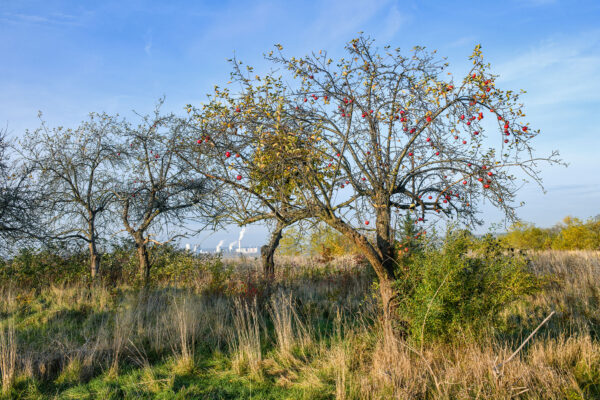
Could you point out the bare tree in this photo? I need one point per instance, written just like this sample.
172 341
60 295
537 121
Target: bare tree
18 200
72 170
155 189
375 134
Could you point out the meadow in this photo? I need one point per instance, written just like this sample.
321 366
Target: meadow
220 332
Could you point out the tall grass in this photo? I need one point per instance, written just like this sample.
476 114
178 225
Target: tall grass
8 356
315 332
246 341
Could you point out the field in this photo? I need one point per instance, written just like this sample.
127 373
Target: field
312 334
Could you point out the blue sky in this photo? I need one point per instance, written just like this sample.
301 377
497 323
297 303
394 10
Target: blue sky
68 58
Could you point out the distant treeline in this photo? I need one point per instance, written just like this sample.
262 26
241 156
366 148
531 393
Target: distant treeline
570 234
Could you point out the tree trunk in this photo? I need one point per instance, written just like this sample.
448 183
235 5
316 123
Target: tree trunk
382 258
385 239
143 261
94 256
94 260
267 251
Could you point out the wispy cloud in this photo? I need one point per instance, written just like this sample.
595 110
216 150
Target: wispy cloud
50 19
559 70
343 19
148 43
540 2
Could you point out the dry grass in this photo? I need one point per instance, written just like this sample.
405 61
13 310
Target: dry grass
8 356
246 341
316 330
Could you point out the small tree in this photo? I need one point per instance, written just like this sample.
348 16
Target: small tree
378 132
72 170
245 138
154 188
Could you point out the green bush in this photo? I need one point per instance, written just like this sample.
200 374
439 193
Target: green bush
36 268
460 286
571 234
527 236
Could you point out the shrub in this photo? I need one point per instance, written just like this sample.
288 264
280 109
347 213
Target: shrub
460 286
577 235
527 236
38 268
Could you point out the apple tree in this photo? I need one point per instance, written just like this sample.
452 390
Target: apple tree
156 194
258 152
378 133
72 171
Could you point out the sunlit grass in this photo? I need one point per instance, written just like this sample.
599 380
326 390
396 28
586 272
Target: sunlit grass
314 334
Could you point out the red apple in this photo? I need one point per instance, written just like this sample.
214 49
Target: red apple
464 182
239 177
486 186
366 222
227 154
524 129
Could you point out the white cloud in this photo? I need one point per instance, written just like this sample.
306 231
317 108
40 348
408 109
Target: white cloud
558 70
51 19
